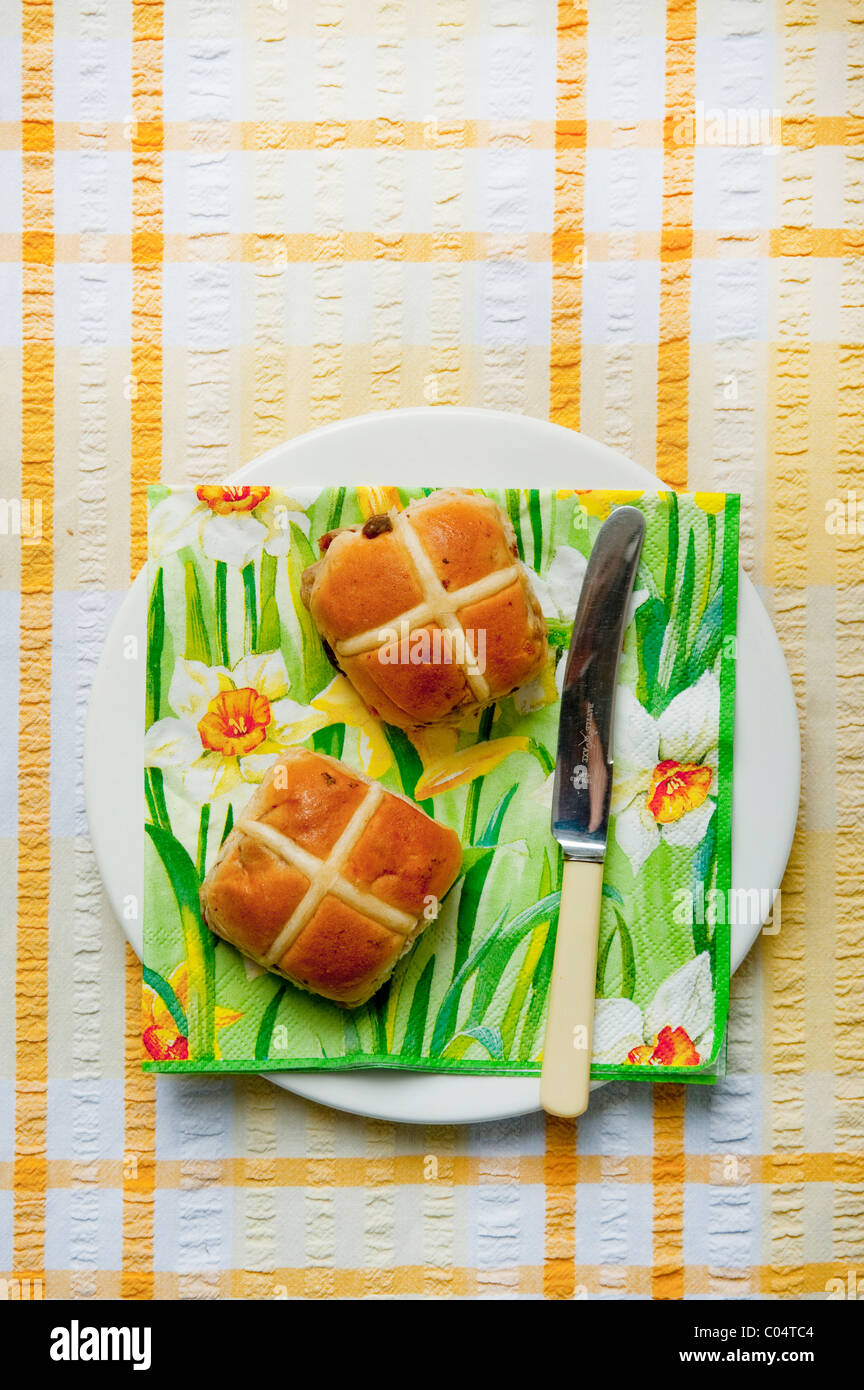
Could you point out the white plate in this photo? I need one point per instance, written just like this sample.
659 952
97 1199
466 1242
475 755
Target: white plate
457 447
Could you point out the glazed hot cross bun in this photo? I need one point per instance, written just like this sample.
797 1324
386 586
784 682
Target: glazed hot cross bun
428 611
328 879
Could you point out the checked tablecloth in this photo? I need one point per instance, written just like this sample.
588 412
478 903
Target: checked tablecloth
225 223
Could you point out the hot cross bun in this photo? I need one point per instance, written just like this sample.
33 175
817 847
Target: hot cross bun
327 879
428 611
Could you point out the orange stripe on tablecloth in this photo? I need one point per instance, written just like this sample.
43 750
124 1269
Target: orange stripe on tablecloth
147 249
560 1174
565 365
34 727
565 384
463 1170
804 131
676 247
561 248
667 1175
146 443
388 1281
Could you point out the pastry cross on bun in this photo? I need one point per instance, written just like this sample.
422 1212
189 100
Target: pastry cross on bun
327 878
428 611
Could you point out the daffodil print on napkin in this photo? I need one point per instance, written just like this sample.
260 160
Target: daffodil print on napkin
227 725
166 1027
665 770
229 524
236 673
676 1028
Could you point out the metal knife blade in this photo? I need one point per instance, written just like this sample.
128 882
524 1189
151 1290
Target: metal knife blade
583 769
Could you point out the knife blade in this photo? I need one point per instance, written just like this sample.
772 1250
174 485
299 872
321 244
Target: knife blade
580 804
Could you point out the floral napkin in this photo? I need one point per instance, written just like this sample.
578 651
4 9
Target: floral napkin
227 633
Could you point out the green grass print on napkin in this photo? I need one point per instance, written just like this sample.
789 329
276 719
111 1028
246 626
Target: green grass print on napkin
225 611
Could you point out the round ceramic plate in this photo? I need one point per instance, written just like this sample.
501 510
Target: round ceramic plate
443 447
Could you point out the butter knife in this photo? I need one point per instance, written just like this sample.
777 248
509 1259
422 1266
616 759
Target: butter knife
580 805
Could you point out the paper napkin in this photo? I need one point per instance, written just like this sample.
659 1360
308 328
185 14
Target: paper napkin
225 611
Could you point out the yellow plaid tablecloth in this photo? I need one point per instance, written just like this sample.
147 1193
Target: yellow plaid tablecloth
225 223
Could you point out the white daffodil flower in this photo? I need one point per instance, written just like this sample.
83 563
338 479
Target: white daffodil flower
685 1000
618 1028
665 769
230 725
232 524
543 794
558 590
676 1030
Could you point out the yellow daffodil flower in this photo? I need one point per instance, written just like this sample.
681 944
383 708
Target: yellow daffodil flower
229 724
435 743
446 773
160 1034
599 502
376 500
340 704
710 502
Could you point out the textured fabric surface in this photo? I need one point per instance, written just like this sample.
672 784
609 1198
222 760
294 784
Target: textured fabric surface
223 224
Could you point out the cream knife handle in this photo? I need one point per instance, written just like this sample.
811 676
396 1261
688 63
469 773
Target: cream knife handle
570 1018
